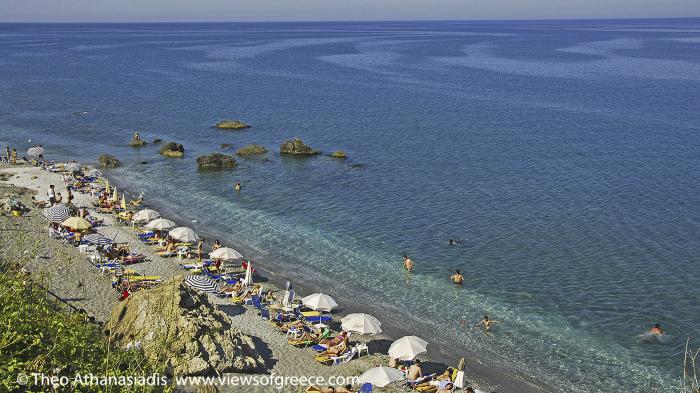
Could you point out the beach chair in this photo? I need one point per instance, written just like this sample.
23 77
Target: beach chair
366 388
346 357
328 360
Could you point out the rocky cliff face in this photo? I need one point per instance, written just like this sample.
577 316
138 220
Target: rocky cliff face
178 327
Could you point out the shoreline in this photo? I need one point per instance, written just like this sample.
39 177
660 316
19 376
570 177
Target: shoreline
476 370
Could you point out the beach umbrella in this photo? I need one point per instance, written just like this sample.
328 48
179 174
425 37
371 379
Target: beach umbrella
201 283
160 224
57 213
226 254
77 223
361 323
107 188
184 234
319 302
381 376
97 239
73 167
115 195
123 204
407 348
94 173
146 215
35 151
248 280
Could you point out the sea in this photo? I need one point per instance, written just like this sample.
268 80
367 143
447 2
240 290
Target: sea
562 157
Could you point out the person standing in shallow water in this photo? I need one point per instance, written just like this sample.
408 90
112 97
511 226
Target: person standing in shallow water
407 263
457 278
237 187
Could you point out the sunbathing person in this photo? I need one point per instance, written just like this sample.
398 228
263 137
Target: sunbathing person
336 350
308 336
415 371
439 380
285 326
330 389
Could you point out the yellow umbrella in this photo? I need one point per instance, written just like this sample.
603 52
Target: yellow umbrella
115 196
123 201
77 223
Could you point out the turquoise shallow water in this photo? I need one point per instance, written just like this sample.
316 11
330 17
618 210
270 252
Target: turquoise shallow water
562 156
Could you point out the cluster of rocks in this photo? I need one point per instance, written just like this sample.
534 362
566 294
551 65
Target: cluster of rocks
172 149
297 147
9 204
180 329
231 125
216 161
109 161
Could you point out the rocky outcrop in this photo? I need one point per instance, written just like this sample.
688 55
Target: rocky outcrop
231 125
172 149
157 140
109 161
338 154
297 147
136 141
251 150
216 161
225 145
180 329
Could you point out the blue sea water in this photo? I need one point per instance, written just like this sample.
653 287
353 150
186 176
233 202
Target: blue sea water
563 156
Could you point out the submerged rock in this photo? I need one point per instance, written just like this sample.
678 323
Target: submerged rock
231 125
172 149
109 161
225 145
157 140
251 150
216 161
180 329
338 154
297 147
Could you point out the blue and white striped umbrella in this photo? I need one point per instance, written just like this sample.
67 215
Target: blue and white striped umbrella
35 151
57 213
97 239
201 283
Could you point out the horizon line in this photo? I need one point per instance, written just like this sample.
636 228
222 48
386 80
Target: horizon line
352 20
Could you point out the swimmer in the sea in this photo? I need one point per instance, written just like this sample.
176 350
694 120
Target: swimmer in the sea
458 278
486 322
451 242
657 330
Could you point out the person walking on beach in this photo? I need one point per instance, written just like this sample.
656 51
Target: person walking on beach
216 245
458 278
200 249
13 157
69 196
7 153
407 263
51 193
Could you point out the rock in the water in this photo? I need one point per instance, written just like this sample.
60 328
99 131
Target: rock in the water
172 149
109 161
297 147
157 140
137 142
338 154
216 161
231 125
251 150
180 329
225 145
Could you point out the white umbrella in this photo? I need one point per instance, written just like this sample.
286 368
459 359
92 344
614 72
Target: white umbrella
184 234
160 223
146 215
286 300
35 151
248 280
407 348
361 323
73 167
319 302
381 376
225 253
94 173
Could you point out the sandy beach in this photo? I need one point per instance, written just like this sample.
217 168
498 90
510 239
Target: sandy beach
67 273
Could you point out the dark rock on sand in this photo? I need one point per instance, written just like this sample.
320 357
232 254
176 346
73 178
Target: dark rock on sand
216 161
179 328
231 125
297 147
172 149
338 154
251 150
109 161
